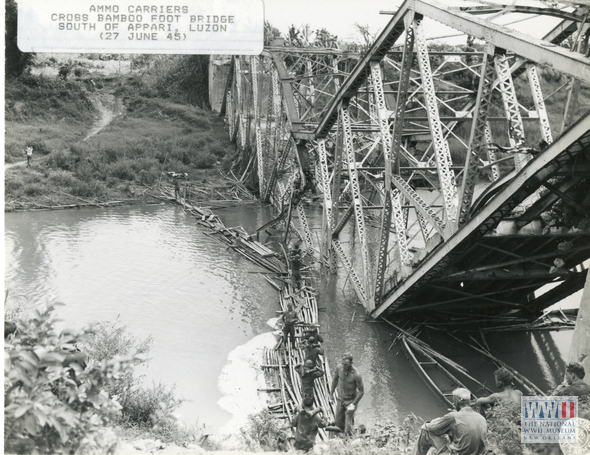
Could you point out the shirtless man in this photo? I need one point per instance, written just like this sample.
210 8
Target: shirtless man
508 393
350 391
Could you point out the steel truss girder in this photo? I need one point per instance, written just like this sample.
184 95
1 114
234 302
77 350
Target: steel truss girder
354 278
323 160
581 46
441 146
477 141
515 126
257 131
240 120
420 205
573 142
537 93
278 165
356 195
305 225
533 49
529 48
391 149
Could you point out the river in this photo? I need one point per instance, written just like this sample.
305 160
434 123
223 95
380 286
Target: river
154 270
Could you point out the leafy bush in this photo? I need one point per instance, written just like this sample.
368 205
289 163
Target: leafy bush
504 429
122 170
204 160
61 177
50 408
263 432
60 159
88 189
33 189
149 409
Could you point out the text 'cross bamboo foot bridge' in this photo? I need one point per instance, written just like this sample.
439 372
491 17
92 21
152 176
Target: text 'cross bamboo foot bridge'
454 179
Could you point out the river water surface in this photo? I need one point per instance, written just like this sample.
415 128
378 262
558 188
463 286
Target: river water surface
154 270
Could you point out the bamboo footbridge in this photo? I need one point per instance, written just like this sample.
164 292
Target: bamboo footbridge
283 383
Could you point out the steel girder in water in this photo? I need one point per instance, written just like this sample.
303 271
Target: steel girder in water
419 143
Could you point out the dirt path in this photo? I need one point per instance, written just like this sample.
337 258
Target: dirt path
18 163
109 107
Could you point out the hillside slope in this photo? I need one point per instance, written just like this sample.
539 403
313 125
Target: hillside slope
105 133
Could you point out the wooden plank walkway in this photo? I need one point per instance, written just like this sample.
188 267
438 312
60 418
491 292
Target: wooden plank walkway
283 383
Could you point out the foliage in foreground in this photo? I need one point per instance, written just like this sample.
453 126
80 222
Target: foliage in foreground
266 433
52 408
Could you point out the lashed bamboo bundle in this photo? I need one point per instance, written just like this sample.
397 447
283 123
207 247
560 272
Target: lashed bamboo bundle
237 238
305 303
283 382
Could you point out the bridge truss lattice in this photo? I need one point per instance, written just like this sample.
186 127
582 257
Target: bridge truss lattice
464 172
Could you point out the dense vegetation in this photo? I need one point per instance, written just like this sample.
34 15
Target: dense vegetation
51 407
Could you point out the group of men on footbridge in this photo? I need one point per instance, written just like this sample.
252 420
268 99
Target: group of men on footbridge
461 431
346 380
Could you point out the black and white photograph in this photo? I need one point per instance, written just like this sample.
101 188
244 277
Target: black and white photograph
332 227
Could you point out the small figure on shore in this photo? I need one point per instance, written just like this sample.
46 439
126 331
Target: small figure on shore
29 152
508 394
176 188
176 180
573 385
309 373
306 423
313 351
350 391
289 320
466 430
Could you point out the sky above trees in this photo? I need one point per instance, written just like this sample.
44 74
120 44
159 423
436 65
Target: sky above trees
340 17
337 16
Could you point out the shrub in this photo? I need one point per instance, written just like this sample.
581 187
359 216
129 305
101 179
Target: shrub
60 159
61 178
204 160
88 189
50 408
150 409
33 189
263 432
149 176
504 428
122 169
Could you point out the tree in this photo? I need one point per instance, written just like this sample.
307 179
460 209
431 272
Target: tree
15 60
51 406
270 33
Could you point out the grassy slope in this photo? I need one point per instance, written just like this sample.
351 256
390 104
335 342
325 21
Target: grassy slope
150 133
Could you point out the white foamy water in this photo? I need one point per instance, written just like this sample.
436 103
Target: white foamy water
239 382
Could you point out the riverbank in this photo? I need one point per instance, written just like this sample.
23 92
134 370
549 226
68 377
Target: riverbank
105 133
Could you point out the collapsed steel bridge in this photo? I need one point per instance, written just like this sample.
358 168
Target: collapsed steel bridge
461 173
